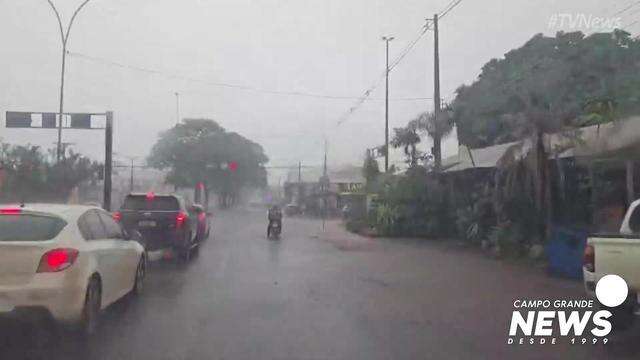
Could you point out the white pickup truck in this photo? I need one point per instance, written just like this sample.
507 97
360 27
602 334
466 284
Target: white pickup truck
618 254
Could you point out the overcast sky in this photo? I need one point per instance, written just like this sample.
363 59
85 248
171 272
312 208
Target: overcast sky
327 47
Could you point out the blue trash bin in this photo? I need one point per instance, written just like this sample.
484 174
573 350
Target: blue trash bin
564 252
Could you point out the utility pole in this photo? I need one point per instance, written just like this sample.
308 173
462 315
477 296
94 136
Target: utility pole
177 108
64 37
324 169
386 39
131 179
437 137
325 182
299 182
108 161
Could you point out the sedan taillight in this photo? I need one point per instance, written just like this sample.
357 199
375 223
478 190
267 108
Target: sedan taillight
57 260
589 258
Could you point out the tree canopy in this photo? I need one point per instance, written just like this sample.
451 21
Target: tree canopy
28 173
550 83
200 151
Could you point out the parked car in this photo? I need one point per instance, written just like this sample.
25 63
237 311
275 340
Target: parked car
618 254
292 209
204 222
165 222
69 261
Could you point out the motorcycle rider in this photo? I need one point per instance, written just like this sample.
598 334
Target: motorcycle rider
275 217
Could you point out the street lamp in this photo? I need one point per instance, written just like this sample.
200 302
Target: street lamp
64 36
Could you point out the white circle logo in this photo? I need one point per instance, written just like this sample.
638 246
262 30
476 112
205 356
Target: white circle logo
611 290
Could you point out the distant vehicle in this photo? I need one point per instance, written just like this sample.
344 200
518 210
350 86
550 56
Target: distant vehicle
204 222
69 261
617 254
166 222
292 209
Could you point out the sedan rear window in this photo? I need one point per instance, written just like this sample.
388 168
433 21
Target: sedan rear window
25 227
136 202
634 220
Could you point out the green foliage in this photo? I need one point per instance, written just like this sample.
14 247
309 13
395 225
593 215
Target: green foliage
370 169
386 219
30 174
550 83
195 150
416 203
507 240
427 122
407 138
518 227
473 221
355 225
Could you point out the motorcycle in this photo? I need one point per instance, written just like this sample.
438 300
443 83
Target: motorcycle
274 230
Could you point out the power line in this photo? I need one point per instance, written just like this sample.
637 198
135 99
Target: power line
626 8
378 81
227 85
452 5
409 48
449 7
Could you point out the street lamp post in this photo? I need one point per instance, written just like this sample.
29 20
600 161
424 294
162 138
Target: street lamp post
386 39
177 108
64 36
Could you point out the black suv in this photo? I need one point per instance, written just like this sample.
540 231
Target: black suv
165 221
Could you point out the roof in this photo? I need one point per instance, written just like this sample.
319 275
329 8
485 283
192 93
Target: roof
67 212
591 141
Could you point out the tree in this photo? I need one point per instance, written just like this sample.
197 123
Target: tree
32 175
548 85
200 151
370 168
581 80
408 138
443 126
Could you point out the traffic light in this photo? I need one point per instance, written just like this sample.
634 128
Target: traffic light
233 166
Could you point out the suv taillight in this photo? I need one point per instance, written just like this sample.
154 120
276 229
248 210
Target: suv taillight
181 218
589 258
57 260
117 216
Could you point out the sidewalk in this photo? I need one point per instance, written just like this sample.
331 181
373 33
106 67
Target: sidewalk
338 236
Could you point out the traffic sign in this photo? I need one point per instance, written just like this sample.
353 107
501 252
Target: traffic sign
49 120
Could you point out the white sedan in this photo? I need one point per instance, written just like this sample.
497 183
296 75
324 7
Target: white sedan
71 261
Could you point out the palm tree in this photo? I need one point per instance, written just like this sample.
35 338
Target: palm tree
408 138
443 126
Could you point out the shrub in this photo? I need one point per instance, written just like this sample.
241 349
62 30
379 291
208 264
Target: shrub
507 240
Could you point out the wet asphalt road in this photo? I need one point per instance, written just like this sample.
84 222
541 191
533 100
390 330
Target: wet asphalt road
314 295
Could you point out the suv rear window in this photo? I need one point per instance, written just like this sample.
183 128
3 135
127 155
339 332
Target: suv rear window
141 202
26 227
